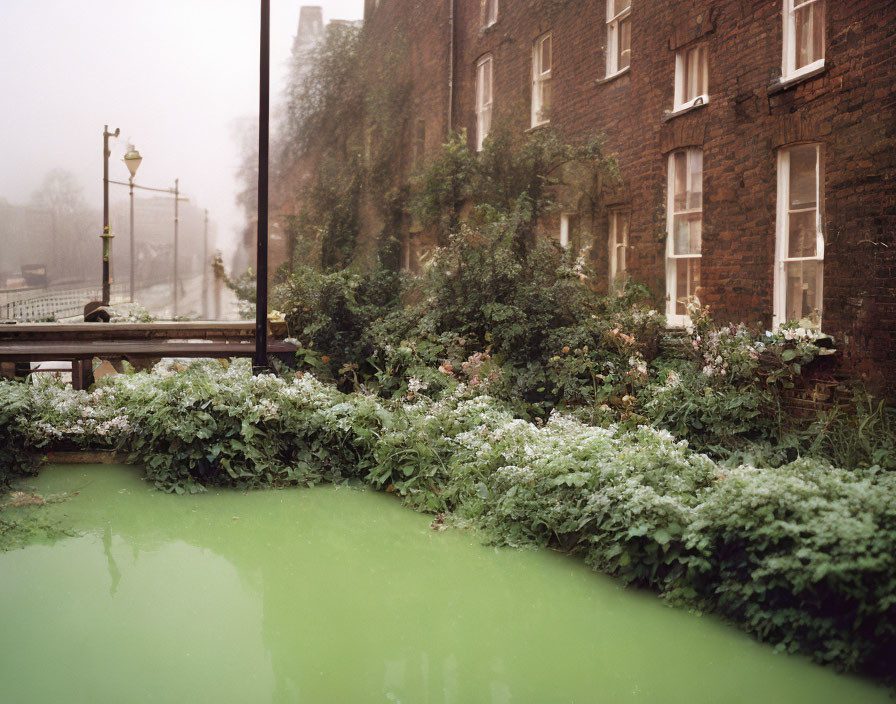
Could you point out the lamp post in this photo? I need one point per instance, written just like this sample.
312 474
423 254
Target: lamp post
132 160
177 198
107 232
260 362
205 269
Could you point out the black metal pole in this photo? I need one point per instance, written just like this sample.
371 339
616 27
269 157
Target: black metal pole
131 183
260 362
205 269
176 199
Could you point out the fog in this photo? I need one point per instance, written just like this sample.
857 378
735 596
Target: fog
175 76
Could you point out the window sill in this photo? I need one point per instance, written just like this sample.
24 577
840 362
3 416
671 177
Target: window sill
540 126
671 115
612 76
782 83
675 322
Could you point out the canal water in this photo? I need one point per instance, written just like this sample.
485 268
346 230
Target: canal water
339 595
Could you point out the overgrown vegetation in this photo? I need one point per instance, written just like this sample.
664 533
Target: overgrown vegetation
799 555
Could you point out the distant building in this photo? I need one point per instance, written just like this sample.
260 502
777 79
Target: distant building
66 246
154 239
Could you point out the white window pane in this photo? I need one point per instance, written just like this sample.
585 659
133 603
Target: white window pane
691 79
682 234
487 82
546 99
802 239
695 180
491 12
702 72
809 20
680 173
546 54
695 231
803 187
624 30
687 281
802 293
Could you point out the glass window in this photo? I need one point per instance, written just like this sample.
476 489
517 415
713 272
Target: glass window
803 36
684 233
619 35
490 13
618 244
569 229
541 80
800 246
691 77
484 97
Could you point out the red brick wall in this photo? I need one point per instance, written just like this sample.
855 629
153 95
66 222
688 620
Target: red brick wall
850 108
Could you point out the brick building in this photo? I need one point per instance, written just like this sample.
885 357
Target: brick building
756 141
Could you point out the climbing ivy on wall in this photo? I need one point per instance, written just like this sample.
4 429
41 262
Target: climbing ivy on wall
339 145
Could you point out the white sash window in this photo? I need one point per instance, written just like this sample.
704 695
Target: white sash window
803 37
490 13
800 239
691 78
619 35
541 80
684 233
618 244
484 97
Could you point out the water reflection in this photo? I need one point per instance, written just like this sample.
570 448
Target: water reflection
341 596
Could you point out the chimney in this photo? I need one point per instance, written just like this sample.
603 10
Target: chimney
311 27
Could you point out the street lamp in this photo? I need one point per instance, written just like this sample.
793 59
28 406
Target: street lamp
107 232
132 160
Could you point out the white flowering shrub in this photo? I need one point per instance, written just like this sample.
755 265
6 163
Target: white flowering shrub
803 556
722 387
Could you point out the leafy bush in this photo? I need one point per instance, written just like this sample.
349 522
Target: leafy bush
18 442
800 556
331 316
531 325
855 433
217 424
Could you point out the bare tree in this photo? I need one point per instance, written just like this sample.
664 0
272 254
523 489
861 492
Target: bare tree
62 197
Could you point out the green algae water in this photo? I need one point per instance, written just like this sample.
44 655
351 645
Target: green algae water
336 595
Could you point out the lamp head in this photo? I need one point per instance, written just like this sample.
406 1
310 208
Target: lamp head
132 160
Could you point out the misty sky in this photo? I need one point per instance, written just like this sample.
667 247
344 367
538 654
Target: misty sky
176 76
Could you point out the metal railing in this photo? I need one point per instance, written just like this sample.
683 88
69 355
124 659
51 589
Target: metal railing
64 303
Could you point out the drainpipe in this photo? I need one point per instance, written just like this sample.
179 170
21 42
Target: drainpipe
451 67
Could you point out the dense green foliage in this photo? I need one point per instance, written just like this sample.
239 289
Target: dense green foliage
800 555
515 180
18 442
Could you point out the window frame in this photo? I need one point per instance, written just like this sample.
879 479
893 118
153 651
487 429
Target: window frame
566 241
483 107
539 78
617 283
679 104
789 71
674 319
613 22
782 233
